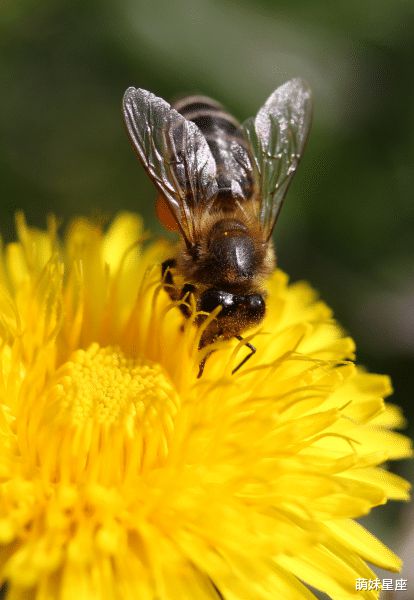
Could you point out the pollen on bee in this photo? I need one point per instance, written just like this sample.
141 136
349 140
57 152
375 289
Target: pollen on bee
164 214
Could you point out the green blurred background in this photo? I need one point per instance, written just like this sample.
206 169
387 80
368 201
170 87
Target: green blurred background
348 223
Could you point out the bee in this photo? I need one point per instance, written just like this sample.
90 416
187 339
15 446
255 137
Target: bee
221 186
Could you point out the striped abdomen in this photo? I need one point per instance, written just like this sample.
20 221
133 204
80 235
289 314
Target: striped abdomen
227 144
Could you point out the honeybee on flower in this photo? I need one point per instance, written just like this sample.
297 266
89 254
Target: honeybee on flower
221 185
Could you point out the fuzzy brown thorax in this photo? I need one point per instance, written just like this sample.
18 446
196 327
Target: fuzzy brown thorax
230 255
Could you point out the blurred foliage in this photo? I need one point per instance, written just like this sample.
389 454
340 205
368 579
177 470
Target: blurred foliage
348 223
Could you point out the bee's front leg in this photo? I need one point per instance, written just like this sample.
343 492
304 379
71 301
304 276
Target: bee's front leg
171 288
169 283
166 274
210 335
203 364
246 358
187 289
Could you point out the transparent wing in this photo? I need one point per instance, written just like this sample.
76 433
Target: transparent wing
176 156
277 137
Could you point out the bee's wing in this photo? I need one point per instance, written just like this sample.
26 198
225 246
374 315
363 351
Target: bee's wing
277 137
176 156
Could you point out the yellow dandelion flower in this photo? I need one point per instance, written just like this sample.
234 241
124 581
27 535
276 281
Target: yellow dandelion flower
123 476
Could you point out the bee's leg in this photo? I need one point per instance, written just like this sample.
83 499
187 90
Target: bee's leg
204 341
168 281
219 594
246 358
166 274
203 364
187 289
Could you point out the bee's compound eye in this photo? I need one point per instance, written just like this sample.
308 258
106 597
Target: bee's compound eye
210 299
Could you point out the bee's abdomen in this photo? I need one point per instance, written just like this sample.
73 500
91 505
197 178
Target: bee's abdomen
227 144
209 116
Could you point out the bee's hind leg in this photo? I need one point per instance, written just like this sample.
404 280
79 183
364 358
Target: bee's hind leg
246 358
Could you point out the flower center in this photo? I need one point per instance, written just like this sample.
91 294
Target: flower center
104 385
121 410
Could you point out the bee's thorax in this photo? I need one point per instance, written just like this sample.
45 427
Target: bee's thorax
232 251
230 256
